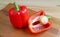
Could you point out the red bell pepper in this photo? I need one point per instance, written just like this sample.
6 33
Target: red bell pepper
19 18
37 27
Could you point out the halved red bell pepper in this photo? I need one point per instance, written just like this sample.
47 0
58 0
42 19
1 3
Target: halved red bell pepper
36 27
19 18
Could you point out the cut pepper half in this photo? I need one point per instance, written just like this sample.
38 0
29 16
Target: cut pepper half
34 24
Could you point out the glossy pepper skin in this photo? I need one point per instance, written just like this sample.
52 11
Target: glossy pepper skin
30 24
19 18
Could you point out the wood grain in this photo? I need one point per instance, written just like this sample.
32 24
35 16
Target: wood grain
7 30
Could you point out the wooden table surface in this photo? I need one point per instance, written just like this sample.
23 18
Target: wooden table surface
7 30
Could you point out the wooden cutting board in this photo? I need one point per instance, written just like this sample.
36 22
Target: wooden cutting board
7 30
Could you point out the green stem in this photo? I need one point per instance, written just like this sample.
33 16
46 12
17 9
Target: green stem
49 17
16 5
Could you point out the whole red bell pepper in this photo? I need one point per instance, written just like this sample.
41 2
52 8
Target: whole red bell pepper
19 18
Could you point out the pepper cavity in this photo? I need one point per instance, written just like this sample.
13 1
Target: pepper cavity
38 22
36 25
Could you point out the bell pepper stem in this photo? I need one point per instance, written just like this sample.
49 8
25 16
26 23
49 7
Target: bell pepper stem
49 17
16 5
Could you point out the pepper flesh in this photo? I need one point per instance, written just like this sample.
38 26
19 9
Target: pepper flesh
19 18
